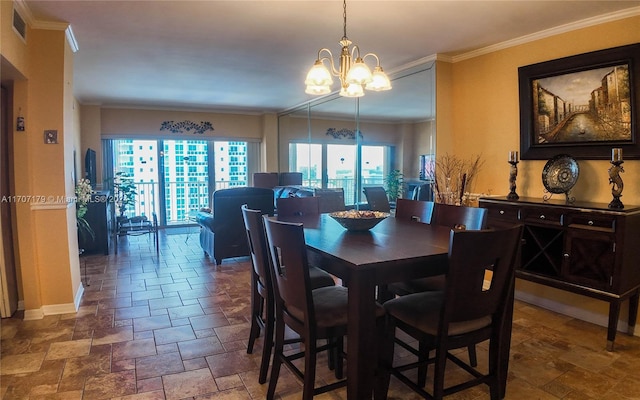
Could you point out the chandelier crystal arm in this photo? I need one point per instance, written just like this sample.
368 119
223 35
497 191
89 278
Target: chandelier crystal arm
330 59
374 56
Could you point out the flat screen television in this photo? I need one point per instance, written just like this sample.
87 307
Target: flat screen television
90 167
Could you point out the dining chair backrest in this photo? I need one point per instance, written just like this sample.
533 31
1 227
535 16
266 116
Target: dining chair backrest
472 254
257 246
414 210
459 217
330 200
377 198
289 266
297 206
267 180
290 178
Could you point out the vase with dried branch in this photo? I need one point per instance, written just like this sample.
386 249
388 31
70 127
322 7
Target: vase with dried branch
452 177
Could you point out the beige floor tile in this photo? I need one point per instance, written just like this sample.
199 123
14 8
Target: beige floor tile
189 384
113 335
72 348
21 363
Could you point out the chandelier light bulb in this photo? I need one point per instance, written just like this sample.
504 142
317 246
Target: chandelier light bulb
319 75
379 82
359 73
352 90
318 90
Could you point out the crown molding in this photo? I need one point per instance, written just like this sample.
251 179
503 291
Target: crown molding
585 23
25 12
71 38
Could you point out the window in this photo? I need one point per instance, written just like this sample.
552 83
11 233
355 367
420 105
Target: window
333 166
177 177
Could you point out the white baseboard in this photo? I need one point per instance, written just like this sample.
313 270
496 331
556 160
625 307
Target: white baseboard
36 313
55 309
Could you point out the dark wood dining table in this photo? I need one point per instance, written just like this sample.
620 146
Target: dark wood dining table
392 251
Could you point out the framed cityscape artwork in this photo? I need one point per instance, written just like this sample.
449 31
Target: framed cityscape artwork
582 105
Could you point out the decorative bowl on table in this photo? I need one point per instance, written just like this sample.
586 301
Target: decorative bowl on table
355 220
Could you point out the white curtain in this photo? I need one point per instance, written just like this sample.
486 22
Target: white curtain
254 160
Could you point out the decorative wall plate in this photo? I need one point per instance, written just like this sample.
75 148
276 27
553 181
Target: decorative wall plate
560 174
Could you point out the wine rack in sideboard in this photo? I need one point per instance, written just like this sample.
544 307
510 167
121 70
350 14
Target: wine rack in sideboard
581 247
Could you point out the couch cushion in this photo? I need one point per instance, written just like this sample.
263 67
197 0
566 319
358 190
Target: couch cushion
205 219
293 191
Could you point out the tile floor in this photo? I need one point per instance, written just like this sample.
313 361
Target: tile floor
175 326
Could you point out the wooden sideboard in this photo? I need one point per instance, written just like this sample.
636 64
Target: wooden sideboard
584 248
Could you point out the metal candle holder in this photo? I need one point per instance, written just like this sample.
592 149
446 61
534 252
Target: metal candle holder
616 181
512 180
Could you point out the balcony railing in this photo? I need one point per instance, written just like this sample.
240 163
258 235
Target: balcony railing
182 200
348 184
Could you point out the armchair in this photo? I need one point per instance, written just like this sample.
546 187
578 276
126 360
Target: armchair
222 233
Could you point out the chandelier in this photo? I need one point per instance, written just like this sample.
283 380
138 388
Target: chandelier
355 76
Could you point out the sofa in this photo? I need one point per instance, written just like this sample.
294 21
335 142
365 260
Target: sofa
222 233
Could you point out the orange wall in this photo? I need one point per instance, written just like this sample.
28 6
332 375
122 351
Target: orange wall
478 114
481 100
46 254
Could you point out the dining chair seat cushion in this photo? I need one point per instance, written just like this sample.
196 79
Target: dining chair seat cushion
422 311
429 284
330 306
320 278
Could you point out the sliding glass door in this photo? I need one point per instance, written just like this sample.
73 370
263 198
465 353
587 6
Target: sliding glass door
174 178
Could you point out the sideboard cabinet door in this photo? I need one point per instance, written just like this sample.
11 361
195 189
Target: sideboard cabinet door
589 258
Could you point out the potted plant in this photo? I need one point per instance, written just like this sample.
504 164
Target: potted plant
124 192
394 184
83 197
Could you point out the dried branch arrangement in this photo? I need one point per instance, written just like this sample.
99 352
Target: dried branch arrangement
452 177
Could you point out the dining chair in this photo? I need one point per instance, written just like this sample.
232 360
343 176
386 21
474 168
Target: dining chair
297 206
414 210
410 210
330 200
377 198
313 314
467 312
262 297
267 180
457 218
289 178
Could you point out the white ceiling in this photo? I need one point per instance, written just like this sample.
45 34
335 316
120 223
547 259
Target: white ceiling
253 55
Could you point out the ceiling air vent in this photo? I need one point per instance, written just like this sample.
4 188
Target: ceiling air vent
19 26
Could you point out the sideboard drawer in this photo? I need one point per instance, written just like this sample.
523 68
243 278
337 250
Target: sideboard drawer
503 212
542 216
587 221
